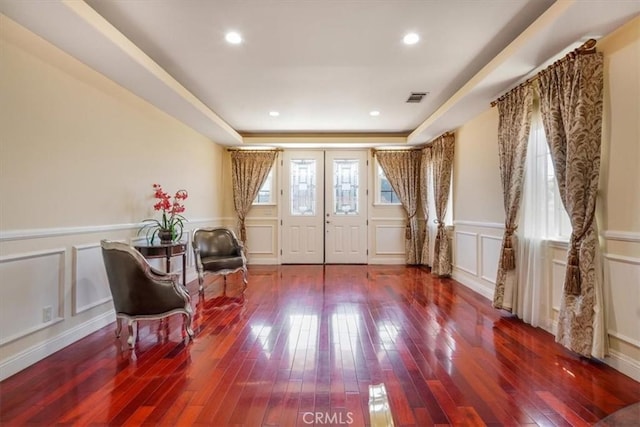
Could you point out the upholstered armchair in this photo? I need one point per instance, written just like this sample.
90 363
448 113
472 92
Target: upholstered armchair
218 251
141 292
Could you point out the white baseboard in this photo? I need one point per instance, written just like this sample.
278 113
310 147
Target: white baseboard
473 284
28 357
386 261
623 363
264 261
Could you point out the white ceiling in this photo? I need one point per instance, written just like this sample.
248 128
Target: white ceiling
323 64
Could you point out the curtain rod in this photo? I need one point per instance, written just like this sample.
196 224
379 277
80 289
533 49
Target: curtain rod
417 148
586 48
255 149
430 143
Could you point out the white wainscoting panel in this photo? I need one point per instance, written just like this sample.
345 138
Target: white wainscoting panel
466 252
489 256
558 269
389 239
90 286
32 282
622 297
261 239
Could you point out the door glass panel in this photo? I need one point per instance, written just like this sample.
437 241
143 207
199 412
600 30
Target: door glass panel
303 187
345 187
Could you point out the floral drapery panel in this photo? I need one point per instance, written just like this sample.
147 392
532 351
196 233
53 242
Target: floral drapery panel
442 150
571 98
514 123
425 165
249 169
402 169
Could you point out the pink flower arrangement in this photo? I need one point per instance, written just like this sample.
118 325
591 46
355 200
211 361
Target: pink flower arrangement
171 225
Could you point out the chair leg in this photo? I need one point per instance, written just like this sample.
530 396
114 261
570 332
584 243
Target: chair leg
132 335
200 283
188 318
244 277
118 326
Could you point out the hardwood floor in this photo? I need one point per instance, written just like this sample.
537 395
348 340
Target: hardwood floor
303 346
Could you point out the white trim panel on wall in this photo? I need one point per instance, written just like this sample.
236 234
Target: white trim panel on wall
622 297
90 287
466 252
389 239
490 247
261 239
33 285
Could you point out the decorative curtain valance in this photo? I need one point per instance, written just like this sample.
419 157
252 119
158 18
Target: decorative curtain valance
249 169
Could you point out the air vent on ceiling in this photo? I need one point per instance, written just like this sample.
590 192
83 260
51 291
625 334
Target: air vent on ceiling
416 97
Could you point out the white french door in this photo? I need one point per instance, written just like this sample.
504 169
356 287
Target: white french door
303 207
324 207
346 207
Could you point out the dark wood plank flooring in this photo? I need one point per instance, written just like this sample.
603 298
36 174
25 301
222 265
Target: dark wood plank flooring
311 339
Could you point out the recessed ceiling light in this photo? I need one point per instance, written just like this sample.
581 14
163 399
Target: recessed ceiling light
374 113
274 113
233 37
411 38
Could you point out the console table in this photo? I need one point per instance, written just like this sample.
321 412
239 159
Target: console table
166 251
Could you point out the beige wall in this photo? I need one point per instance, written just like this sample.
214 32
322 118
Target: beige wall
477 193
478 206
620 189
620 177
78 157
77 149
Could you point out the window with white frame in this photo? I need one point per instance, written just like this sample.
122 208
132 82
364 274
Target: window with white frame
384 192
266 193
556 223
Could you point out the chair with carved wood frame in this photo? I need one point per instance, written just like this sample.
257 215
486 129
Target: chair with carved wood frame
218 251
141 292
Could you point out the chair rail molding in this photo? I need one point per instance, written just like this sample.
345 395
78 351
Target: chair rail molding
624 236
481 224
37 233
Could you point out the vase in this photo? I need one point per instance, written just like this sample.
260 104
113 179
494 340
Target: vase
166 237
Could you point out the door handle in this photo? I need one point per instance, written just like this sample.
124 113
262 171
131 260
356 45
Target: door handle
328 222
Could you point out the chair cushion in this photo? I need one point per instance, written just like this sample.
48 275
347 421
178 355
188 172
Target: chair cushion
217 263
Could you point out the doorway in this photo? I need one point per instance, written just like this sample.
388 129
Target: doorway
324 200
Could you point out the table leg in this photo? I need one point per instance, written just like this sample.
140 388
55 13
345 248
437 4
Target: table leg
184 269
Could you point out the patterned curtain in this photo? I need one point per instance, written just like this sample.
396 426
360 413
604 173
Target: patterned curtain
514 123
571 97
425 165
249 169
442 163
402 169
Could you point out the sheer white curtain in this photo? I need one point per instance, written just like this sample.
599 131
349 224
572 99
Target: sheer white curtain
533 290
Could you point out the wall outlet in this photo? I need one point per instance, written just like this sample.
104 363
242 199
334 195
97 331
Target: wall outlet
47 314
